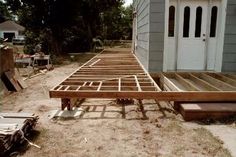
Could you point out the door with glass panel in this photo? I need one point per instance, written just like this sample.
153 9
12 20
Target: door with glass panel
194 34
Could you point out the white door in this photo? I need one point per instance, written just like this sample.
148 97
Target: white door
195 32
192 35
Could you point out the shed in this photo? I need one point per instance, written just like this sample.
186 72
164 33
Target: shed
10 29
185 35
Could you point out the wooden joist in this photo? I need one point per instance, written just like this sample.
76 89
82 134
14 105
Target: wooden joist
120 75
161 96
109 72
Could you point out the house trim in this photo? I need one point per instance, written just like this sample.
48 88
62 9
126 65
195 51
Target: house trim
220 42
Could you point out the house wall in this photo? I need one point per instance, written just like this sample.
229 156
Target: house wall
156 37
229 52
5 31
150 33
142 8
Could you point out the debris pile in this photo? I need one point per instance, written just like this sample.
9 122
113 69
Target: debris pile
14 128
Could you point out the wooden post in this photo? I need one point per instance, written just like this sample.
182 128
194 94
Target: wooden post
6 61
68 103
65 103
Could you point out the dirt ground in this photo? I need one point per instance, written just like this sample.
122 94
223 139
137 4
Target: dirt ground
108 129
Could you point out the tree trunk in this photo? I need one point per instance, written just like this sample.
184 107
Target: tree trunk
90 36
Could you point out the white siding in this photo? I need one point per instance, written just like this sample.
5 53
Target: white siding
229 54
142 49
150 33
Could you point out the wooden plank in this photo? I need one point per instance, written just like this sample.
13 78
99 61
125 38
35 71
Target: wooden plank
6 60
186 83
223 78
78 88
94 62
17 115
3 89
217 83
66 88
12 81
197 111
19 79
111 83
232 76
203 83
162 96
170 84
133 84
119 84
100 85
137 83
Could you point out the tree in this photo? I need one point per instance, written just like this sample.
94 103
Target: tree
46 20
127 22
62 23
118 22
4 12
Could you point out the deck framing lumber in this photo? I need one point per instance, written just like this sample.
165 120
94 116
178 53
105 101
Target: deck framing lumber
120 75
217 83
186 83
223 78
203 83
161 96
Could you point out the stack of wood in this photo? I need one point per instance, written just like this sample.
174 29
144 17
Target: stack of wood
14 128
10 78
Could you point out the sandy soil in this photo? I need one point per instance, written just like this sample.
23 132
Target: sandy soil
107 128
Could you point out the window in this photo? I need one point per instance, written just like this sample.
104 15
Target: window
186 22
171 32
214 12
198 24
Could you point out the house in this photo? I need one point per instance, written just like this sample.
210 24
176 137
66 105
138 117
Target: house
10 29
185 35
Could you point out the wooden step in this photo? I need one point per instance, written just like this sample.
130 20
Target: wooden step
197 111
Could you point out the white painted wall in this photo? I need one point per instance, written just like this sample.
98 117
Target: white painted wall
6 31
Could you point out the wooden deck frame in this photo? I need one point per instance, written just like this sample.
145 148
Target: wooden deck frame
120 75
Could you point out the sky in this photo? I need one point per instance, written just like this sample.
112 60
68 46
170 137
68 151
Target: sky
128 2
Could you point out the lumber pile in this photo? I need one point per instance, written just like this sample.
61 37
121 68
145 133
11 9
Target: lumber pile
10 78
6 60
14 127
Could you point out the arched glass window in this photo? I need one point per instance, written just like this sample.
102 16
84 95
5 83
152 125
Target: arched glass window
198 23
186 22
171 32
214 12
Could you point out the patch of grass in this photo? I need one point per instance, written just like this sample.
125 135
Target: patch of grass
83 57
67 59
209 143
59 60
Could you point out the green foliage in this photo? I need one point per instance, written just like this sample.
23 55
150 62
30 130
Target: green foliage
4 12
69 26
118 23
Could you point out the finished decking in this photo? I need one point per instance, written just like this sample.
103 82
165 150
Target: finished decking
118 74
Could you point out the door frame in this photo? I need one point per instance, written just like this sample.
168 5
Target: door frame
220 32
